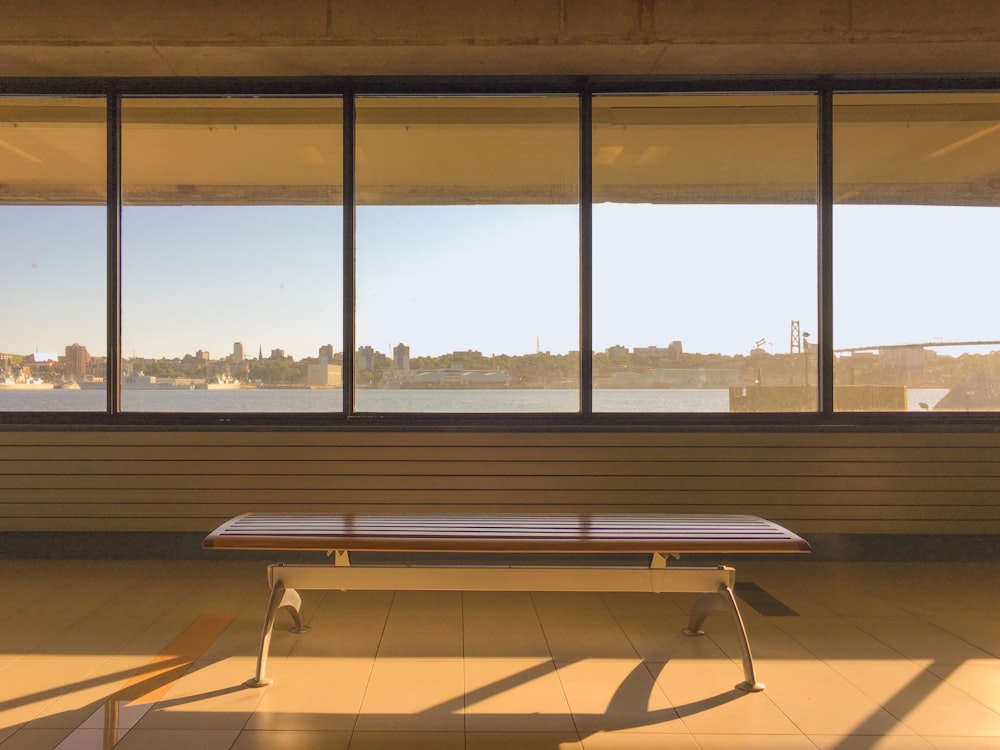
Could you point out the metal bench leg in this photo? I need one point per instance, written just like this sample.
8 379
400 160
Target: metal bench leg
280 597
724 600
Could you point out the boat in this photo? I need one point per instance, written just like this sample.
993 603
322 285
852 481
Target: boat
25 384
140 382
219 384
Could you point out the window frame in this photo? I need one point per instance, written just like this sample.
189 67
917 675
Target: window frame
113 90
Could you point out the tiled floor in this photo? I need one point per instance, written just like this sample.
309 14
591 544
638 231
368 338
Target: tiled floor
894 656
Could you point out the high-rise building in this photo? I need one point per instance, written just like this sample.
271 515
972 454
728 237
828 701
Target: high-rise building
366 359
401 357
77 361
326 354
238 352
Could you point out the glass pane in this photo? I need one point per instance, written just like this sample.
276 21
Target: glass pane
231 255
915 252
53 251
468 254
704 253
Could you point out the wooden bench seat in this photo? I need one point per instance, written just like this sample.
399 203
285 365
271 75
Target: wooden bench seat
659 535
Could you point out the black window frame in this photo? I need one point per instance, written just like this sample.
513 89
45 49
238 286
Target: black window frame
824 88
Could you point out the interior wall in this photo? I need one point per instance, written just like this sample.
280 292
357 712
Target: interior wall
192 480
816 481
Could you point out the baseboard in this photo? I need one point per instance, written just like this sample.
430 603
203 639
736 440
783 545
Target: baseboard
42 545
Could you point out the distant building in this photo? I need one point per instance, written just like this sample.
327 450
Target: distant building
366 359
671 353
203 356
278 354
97 368
325 376
326 354
651 352
455 376
617 353
238 352
401 357
77 362
38 362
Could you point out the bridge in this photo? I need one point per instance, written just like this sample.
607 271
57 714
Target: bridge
923 344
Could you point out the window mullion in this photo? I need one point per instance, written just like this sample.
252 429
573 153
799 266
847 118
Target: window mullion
825 239
113 374
349 253
586 254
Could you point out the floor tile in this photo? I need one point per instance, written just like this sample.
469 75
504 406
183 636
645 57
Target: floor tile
638 741
568 604
616 695
502 624
835 638
658 636
963 743
868 742
704 696
514 696
423 625
316 694
75 706
403 740
345 624
917 639
32 686
172 739
210 696
583 637
414 695
978 678
821 701
920 699
753 742
41 739
522 741
288 739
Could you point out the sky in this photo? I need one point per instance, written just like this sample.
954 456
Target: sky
497 279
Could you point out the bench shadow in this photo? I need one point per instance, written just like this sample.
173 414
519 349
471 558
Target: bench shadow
115 716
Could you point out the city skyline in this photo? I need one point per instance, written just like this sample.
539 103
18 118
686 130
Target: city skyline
720 278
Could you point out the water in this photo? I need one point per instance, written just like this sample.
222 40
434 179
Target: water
515 401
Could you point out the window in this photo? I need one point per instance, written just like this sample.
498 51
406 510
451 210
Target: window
605 252
53 251
231 255
468 254
915 251
704 253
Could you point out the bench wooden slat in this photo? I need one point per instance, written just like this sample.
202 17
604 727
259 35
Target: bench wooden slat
497 533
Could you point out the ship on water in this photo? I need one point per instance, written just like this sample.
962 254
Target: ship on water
25 384
141 382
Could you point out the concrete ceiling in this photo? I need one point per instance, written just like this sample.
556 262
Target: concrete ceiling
498 37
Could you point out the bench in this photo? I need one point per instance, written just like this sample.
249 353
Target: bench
660 536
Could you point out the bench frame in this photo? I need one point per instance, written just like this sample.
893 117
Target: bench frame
339 535
714 583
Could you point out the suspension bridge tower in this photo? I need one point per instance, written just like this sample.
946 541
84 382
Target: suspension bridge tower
795 345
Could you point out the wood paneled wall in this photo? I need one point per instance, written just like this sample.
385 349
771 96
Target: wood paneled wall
191 480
